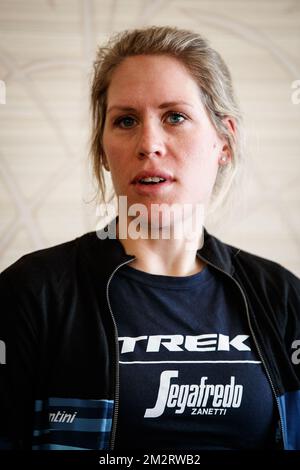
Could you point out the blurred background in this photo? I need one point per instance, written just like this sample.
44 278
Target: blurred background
46 52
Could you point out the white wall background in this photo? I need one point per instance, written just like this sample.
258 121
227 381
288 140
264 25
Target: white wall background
46 52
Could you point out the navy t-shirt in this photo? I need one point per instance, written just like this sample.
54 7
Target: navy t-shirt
190 376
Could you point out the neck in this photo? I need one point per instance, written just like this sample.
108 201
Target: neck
168 257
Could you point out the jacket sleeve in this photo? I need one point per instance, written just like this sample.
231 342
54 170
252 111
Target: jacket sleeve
293 323
289 401
18 360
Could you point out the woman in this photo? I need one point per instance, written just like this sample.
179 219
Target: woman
141 340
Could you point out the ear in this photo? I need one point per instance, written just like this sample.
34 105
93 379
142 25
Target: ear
230 123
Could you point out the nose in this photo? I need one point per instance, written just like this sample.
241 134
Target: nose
150 143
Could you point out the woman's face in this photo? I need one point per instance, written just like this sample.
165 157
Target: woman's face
156 123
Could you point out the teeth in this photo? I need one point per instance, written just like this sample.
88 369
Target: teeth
152 179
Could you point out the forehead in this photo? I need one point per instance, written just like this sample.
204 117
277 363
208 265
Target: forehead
145 77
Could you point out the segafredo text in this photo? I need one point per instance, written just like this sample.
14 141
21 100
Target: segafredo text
200 398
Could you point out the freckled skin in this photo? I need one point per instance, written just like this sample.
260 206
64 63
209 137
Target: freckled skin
188 146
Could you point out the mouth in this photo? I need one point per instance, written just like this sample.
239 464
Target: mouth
154 182
156 177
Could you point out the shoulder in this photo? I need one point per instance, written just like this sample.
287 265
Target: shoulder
269 284
49 264
263 269
257 272
241 261
266 279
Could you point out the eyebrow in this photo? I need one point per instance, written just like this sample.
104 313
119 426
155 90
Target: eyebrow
161 106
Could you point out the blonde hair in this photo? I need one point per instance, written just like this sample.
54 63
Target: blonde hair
207 68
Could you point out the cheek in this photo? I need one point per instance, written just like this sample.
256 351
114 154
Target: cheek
115 155
199 155
119 168
206 149
200 164
109 147
117 147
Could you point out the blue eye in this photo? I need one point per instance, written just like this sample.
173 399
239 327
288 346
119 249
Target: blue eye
177 115
122 120
126 122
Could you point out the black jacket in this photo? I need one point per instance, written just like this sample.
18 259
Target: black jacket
59 378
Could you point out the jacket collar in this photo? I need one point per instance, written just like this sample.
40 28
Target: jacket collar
217 253
213 251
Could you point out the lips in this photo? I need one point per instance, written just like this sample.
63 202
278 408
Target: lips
151 173
154 189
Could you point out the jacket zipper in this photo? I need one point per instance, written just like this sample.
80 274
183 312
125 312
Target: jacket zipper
254 338
117 378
